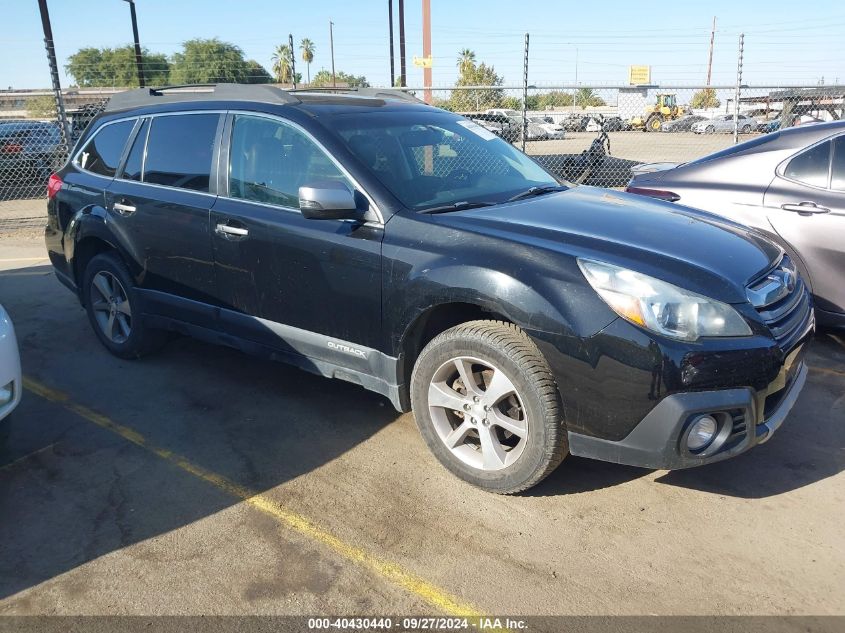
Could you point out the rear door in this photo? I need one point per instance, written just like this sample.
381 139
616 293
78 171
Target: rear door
805 204
160 205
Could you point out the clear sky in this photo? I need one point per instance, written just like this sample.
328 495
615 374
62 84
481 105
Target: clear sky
784 44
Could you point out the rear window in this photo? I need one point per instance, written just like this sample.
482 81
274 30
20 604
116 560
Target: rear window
811 167
837 167
102 153
179 150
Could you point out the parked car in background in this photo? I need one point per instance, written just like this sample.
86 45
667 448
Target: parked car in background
10 371
576 123
725 124
790 185
683 124
29 152
520 319
550 129
774 125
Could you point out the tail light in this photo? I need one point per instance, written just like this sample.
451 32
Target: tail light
53 185
11 148
669 196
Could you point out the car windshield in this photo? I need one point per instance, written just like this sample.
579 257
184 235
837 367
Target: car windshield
432 159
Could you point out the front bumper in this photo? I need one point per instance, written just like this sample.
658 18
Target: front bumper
747 418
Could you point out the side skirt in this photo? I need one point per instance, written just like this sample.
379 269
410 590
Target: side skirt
316 353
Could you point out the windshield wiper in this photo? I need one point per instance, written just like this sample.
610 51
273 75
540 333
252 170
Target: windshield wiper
457 206
537 191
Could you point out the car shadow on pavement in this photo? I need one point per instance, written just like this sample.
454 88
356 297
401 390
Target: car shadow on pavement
72 491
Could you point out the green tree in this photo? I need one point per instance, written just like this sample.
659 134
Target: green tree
94 67
477 99
43 107
204 61
308 49
466 61
257 74
705 98
283 64
587 97
324 79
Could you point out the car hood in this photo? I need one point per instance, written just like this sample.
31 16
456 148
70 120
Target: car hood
689 248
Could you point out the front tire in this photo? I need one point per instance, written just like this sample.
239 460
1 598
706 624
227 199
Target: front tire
113 309
709 129
488 407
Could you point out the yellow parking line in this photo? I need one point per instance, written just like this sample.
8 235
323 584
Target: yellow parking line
825 370
393 572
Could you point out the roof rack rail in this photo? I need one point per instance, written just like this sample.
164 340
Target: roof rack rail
398 94
198 92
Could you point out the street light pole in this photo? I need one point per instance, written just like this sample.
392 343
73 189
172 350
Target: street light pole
390 20
331 45
139 65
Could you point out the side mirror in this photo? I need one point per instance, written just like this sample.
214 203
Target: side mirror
327 200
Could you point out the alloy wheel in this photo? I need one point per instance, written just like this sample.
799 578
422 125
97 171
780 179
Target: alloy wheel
478 413
110 304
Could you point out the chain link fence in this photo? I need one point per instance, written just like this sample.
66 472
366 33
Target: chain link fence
598 135
33 148
585 134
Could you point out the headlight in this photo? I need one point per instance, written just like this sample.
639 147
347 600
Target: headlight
661 307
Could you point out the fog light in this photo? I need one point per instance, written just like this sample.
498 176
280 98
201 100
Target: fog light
7 392
702 432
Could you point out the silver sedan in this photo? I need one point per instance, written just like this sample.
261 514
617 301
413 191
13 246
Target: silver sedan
725 124
789 184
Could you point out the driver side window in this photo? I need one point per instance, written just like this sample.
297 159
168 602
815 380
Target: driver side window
269 161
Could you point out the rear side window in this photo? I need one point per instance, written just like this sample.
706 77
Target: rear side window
837 167
811 167
135 160
179 150
102 153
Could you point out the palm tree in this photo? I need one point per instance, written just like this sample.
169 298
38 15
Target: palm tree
307 47
282 64
466 60
585 97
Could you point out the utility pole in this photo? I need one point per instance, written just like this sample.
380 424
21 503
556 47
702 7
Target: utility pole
402 75
738 85
54 73
139 64
426 21
292 60
710 58
390 28
331 45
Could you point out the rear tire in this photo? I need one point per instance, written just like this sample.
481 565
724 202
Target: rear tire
488 407
113 307
746 129
709 129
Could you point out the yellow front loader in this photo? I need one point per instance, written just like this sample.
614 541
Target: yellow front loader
666 109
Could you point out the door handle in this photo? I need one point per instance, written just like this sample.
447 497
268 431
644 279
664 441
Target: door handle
805 208
123 209
234 231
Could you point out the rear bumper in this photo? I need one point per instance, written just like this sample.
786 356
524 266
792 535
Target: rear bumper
658 441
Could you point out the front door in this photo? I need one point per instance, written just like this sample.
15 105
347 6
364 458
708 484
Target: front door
320 280
806 205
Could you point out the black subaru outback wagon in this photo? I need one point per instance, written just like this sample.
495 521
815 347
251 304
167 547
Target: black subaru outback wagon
409 250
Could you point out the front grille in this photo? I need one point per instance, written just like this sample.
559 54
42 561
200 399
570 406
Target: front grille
783 301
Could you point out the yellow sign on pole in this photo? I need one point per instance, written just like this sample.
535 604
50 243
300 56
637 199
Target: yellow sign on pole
422 62
639 75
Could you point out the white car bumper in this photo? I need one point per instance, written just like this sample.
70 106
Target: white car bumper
10 366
